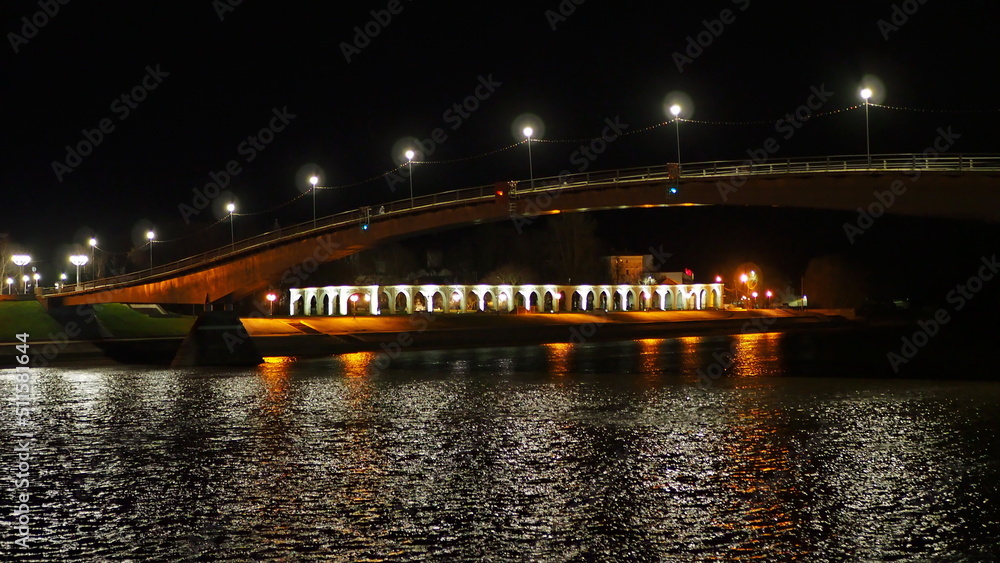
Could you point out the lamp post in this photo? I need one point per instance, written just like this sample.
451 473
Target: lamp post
769 296
231 207
37 277
528 132
676 111
149 236
21 260
409 162
314 180
354 304
10 282
78 260
25 279
270 299
62 278
93 258
866 93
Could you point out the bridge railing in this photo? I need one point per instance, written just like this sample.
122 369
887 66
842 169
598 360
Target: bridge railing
584 180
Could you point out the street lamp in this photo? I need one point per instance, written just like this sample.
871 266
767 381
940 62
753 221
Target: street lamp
93 261
354 304
314 180
528 132
676 111
37 277
409 162
270 299
21 260
149 236
10 282
62 278
866 93
231 207
78 260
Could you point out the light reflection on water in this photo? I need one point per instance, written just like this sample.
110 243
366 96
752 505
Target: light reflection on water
609 451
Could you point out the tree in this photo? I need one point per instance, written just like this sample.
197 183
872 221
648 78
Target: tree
572 248
510 274
835 282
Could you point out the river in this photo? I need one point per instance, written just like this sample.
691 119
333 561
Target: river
598 451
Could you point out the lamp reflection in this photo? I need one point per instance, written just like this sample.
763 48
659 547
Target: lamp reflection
275 373
558 356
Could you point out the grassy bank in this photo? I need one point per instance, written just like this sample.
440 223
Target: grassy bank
120 320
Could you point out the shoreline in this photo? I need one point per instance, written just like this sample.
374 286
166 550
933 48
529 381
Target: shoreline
310 337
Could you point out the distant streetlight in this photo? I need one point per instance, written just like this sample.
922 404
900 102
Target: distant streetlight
754 295
93 261
354 304
25 279
149 236
866 93
769 296
676 111
231 207
270 299
78 260
314 180
10 282
37 277
62 278
409 162
528 132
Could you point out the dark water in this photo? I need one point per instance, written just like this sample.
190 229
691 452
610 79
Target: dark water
608 451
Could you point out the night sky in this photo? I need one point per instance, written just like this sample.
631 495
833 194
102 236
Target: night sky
210 76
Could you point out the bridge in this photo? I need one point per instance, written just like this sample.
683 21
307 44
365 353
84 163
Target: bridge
947 186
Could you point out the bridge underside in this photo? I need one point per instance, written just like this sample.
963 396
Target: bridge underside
290 261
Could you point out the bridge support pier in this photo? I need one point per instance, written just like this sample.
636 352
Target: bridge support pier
217 338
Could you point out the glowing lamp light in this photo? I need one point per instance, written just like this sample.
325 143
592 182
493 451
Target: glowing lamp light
754 295
528 132
718 279
744 278
271 297
409 155
93 242
231 207
354 298
368 298
79 260
675 110
769 294
314 180
150 235
866 93
21 259
455 297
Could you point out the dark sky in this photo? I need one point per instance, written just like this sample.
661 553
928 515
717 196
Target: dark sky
220 79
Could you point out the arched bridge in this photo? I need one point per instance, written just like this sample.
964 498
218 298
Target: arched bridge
956 186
